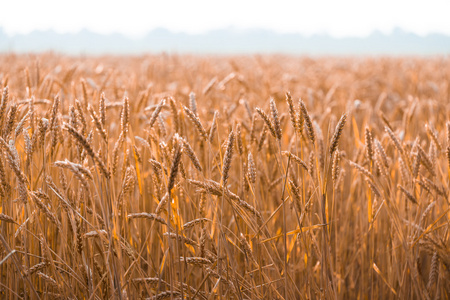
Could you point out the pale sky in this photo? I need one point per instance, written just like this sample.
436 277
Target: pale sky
135 18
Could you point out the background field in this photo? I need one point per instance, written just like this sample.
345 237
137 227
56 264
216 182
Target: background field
157 176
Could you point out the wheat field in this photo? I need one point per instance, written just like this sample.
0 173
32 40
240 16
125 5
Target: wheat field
240 177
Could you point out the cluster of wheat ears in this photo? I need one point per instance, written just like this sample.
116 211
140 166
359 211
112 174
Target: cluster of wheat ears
264 177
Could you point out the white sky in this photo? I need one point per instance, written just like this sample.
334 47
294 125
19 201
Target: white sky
135 18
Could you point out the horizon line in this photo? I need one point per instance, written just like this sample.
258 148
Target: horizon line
226 41
231 28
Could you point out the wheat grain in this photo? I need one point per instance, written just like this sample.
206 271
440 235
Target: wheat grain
86 145
408 195
187 149
198 261
10 120
3 105
195 222
98 124
433 135
275 118
227 158
251 172
262 138
213 128
166 295
296 159
148 216
175 166
335 170
238 137
337 134
267 121
308 122
369 143
196 121
7 219
156 113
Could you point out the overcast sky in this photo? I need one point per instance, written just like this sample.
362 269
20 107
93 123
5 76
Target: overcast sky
135 18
